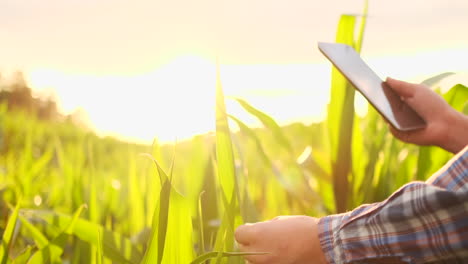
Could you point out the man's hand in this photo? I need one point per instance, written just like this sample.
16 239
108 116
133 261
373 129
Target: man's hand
287 239
445 128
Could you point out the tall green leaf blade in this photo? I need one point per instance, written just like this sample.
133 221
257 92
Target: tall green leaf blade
362 27
40 240
201 224
268 122
152 250
24 257
357 144
8 235
457 97
259 148
54 249
340 119
178 246
226 174
114 245
163 218
435 79
136 217
224 151
155 251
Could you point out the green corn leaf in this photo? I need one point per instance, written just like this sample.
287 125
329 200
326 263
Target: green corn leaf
201 224
100 251
362 28
424 162
457 97
340 120
54 249
155 251
341 117
224 152
268 122
226 174
40 240
178 247
136 217
23 257
171 236
259 148
357 145
162 175
163 218
114 245
435 79
8 235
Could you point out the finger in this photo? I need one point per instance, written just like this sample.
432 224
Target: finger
402 88
246 234
244 248
250 259
257 259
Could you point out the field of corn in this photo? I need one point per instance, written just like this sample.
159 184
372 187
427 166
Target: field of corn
68 196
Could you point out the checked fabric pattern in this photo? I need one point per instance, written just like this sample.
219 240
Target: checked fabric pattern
422 222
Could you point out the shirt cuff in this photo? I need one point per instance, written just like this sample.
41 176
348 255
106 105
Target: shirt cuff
327 227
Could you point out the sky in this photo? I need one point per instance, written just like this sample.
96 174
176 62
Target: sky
146 68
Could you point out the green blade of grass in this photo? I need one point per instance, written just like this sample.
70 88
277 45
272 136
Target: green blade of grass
340 120
99 253
163 218
224 152
115 246
155 251
136 217
178 246
171 239
8 235
23 257
457 97
436 79
357 150
259 148
40 240
54 249
226 174
268 122
360 37
201 224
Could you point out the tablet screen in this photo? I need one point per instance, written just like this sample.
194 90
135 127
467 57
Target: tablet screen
377 92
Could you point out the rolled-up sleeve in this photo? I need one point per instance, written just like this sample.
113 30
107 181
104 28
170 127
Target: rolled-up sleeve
421 222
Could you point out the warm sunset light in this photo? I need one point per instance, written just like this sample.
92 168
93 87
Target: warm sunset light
175 132
147 69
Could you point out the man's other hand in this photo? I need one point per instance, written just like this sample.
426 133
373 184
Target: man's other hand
287 239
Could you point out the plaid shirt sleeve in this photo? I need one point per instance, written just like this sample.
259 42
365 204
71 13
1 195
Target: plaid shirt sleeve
421 222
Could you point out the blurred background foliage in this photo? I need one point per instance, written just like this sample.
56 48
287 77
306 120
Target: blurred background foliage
172 203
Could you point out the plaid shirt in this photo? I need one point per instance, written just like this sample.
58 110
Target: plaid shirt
422 222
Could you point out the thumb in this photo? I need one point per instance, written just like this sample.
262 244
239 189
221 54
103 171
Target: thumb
246 234
402 88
